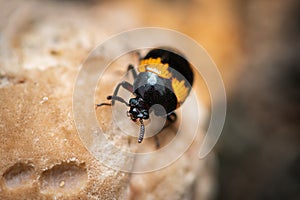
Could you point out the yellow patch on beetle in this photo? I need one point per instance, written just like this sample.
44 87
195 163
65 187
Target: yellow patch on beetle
155 66
180 90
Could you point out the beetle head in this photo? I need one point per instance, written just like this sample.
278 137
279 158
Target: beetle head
138 109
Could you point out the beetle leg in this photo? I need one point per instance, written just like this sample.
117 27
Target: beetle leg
139 55
103 104
133 71
125 85
172 117
157 143
115 96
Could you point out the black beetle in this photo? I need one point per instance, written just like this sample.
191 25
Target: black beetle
162 79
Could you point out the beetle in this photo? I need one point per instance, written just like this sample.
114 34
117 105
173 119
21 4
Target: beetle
164 78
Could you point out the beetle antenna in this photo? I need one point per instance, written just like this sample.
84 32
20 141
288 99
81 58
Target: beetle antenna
117 98
142 131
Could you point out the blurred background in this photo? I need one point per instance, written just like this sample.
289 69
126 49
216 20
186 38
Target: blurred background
255 44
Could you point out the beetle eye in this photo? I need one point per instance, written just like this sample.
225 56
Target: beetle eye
140 115
133 102
145 114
